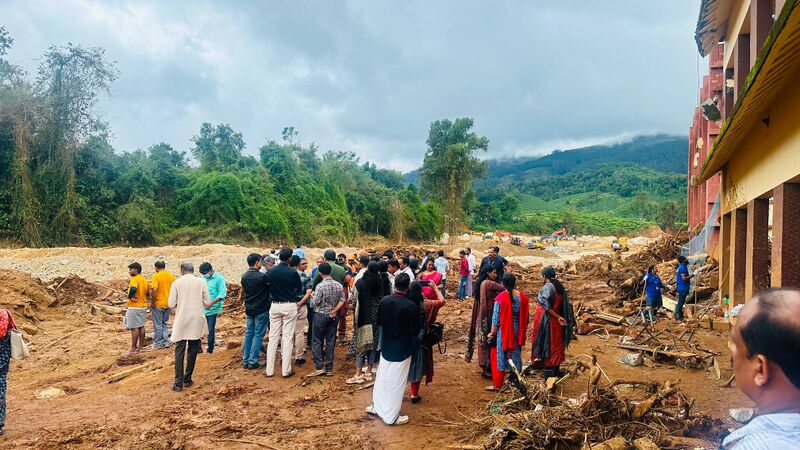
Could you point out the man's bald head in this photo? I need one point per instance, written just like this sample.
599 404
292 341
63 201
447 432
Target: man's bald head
769 325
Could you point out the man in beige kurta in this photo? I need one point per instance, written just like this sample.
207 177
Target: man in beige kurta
189 298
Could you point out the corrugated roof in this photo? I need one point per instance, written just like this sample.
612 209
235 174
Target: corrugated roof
712 24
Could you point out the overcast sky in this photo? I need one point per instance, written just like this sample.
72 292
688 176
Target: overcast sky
369 76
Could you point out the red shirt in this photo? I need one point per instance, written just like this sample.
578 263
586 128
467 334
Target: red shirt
463 268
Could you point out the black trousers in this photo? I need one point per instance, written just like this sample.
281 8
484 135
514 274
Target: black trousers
182 377
323 342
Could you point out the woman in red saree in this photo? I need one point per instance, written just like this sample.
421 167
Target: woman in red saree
553 323
430 299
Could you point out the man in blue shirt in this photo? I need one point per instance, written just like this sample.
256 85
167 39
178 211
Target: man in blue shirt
652 289
299 252
765 350
217 293
682 283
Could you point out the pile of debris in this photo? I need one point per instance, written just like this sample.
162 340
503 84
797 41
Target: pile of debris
646 414
74 289
25 296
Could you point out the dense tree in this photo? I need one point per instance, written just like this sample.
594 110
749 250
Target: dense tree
450 166
217 147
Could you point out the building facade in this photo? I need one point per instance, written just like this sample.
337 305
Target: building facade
756 152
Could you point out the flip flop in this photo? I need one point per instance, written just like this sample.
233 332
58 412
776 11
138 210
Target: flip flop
355 380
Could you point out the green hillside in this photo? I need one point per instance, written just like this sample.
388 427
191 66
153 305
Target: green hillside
596 190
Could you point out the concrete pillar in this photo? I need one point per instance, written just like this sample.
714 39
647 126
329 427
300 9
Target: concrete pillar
786 235
757 251
741 63
725 256
738 249
729 97
760 24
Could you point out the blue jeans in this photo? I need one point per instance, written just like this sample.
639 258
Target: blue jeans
679 307
462 287
212 323
160 328
254 337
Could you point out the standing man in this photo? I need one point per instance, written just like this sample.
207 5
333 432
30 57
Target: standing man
137 307
255 297
394 270
406 268
765 350
682 284
217 291
442 266
267 263
284 284
338 273
398 318
299 252
160 285
463 274
472 268
302 309
493 259
189 297
328 299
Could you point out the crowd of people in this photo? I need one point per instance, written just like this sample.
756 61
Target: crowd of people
395 300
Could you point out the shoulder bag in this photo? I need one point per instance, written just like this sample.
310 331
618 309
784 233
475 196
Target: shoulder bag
19 349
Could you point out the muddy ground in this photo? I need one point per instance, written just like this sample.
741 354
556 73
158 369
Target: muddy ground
77 352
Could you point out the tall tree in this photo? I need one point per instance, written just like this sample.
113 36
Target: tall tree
218 147
450 166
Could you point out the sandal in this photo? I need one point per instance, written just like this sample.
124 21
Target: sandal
491 388
355 380
368 377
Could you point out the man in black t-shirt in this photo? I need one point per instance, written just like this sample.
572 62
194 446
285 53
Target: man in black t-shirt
255 296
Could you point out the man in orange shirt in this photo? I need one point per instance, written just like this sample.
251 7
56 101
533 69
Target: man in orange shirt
137 307
160 285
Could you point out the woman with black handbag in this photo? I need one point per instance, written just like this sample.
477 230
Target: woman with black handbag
422 355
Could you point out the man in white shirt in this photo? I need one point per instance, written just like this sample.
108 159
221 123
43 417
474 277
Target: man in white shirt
442 266
189 297
472 263
406 268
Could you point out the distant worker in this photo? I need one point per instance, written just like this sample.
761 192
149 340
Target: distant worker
682 285
398 318
136 313
284 284
652 289
160 285
189 296
217 291
442 266
299 252
255 297
765 350
553 324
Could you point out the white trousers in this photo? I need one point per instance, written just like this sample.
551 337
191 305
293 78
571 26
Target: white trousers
299 336
390 385
282 319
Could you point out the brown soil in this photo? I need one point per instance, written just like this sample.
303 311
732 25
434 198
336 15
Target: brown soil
229 407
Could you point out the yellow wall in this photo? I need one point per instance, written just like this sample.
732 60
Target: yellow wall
768 156
737 17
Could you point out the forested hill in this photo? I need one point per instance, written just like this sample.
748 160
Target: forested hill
602 189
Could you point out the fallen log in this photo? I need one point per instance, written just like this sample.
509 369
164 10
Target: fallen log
126 373
610 317
106 309
655 351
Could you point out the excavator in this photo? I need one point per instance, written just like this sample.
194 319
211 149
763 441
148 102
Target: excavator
620 244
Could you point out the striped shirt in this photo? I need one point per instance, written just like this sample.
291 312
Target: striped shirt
767 432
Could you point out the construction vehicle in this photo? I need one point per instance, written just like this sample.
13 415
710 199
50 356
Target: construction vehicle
502 236
516 240
535 244
620 244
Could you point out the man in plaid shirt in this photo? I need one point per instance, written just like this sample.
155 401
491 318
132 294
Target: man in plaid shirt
327 300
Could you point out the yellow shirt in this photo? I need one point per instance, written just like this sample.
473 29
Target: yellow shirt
140 299
162 282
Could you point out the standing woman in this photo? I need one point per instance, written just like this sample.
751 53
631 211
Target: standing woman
370 293
421 357
6 325
652 289
509 326
487 294
429 273
553 324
